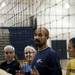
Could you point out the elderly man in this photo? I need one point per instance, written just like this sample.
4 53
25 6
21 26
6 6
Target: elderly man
10 64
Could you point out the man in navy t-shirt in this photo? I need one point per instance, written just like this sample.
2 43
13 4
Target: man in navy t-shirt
46 60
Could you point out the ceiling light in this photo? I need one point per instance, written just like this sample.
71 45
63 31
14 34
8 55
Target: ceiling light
3 4
67 6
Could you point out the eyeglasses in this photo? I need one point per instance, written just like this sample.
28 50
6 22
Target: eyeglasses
8 52
29 52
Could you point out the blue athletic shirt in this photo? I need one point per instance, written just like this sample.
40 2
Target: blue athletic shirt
47 62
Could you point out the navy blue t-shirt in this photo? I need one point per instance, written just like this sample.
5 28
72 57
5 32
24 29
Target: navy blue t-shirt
47 62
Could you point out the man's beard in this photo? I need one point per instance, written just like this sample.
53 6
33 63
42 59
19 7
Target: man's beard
38 43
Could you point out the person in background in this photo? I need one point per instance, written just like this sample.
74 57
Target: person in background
10 64
46 60
30 53
71 62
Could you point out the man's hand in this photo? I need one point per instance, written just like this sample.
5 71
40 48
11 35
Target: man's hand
34 71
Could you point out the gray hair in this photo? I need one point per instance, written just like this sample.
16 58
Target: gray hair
9 46
25 49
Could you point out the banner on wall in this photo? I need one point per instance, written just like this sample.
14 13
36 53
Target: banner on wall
60 46
21 37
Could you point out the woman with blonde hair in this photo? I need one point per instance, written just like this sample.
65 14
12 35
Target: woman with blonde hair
71 62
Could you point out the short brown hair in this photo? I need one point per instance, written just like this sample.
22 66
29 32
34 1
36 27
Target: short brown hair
46 31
